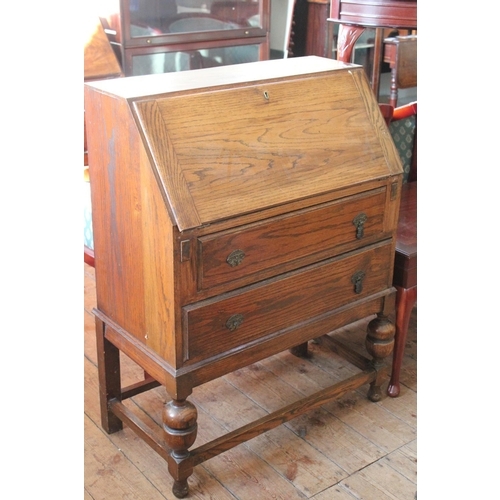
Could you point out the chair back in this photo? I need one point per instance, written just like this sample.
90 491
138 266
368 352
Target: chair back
401 54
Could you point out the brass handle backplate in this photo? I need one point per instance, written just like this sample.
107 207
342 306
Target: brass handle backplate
234 322
359 222
357 280
235 257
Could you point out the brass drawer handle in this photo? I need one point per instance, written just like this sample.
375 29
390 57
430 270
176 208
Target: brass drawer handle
235 257
234 322
359 222
357 280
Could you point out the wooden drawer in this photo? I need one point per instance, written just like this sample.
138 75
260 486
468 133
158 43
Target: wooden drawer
232 254
234 319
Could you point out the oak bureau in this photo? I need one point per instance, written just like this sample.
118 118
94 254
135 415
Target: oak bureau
238 212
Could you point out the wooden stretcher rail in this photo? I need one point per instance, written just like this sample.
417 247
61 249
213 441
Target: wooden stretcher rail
153 437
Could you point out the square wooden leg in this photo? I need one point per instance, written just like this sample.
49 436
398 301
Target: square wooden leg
108 364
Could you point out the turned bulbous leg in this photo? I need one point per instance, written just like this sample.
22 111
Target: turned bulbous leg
180 429
379 344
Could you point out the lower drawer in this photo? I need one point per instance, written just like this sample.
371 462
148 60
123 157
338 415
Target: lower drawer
233 320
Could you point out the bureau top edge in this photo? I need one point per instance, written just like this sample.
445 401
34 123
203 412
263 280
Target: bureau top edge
136 87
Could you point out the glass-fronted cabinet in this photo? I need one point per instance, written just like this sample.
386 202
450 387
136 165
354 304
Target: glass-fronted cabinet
158 36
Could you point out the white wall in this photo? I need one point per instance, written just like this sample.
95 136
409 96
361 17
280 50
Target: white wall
281 20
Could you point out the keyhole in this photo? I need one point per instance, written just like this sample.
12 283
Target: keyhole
266 95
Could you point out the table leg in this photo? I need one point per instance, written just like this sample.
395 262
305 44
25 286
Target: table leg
346 39
377 60
405 300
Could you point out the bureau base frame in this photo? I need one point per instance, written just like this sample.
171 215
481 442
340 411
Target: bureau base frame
178 433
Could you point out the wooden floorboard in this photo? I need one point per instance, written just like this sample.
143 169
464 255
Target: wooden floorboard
348 449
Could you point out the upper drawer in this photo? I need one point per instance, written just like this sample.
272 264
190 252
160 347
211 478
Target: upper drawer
235 319
235 253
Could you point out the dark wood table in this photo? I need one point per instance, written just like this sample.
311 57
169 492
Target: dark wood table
355 16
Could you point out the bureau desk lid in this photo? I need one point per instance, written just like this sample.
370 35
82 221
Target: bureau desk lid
228 141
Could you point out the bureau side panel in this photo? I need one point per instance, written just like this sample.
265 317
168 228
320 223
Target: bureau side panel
132 232
114 178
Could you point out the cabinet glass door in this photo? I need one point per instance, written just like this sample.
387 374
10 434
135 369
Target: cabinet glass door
162 17
183 60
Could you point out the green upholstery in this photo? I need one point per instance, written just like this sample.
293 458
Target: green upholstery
403 135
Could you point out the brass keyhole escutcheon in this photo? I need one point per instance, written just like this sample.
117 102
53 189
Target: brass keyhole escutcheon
235 258
234 322
357 280
359 222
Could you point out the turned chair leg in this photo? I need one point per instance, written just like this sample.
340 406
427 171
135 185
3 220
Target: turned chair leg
405 300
